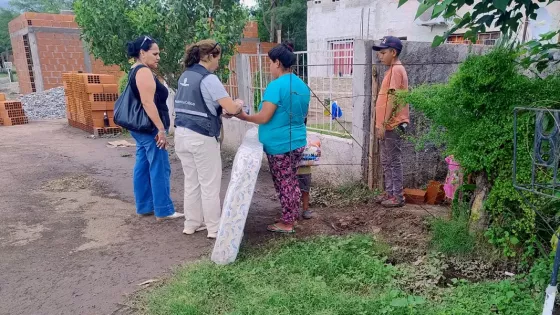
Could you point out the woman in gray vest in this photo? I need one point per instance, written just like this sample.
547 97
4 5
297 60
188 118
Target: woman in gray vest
199 102
152 170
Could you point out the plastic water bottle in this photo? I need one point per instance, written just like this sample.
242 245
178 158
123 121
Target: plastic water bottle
106 119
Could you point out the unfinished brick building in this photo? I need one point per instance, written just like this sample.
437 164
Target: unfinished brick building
47 45
250 43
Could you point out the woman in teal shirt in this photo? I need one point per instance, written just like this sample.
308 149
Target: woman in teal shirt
281 120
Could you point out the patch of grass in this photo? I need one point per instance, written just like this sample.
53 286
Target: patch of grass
293 277
452 237
337 130
355 193
326 275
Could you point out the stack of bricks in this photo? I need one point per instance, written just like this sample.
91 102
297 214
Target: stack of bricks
11 112
89 99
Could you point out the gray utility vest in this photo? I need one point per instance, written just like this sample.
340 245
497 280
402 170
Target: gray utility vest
191 111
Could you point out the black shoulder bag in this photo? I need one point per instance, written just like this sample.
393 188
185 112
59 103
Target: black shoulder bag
129 112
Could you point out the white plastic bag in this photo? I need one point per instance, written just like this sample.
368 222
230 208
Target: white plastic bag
312 152
237 201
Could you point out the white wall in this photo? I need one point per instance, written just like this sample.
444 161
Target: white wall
349 19
343 19
334 152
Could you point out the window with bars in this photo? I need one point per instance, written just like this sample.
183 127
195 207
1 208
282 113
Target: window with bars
341 53
488 39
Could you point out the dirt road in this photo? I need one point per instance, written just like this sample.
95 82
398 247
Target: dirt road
70 242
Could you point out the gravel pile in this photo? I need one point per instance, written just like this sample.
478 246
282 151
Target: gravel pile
49 104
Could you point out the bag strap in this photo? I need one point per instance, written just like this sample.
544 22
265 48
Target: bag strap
133 74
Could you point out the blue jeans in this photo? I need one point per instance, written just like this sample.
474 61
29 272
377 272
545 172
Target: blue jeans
152 172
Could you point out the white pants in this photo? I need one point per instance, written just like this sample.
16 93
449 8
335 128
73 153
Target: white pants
202 166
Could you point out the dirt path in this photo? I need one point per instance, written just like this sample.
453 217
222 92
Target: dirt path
70 242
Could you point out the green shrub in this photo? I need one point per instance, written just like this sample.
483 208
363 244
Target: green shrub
123 81
472 115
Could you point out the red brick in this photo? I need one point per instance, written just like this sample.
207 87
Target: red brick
94 88
67 17
110 88
71 25
434 189
102 106
14 121
59 17
415 196
12 113
107 79
9 105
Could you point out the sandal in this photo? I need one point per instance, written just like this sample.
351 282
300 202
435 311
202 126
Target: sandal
277 229
279 220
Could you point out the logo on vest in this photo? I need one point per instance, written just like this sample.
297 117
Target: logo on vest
184 83
188 103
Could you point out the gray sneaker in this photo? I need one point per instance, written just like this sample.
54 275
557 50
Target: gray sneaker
393 202
381 198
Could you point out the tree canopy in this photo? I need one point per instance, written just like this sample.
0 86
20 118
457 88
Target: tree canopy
507 15
289 16
5 17
107 25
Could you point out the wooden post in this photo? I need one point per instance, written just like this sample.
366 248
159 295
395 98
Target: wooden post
375 174
244 86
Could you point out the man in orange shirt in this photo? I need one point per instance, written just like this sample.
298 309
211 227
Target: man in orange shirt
391 121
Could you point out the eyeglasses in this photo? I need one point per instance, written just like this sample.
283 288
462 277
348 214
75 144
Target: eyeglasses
215 45
145 39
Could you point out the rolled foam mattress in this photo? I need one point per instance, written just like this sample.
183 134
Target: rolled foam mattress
237 201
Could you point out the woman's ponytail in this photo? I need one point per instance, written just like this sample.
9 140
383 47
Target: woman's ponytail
192 56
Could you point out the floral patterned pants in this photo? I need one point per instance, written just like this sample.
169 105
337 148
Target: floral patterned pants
283 168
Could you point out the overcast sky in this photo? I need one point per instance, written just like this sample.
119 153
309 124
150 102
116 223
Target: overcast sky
4 3
248 3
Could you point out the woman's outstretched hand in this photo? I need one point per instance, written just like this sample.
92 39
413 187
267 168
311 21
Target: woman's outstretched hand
226 115
243 115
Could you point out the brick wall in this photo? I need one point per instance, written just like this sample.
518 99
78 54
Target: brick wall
251 30
59 53
98 67
20 64
249 45
250 41
46 46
